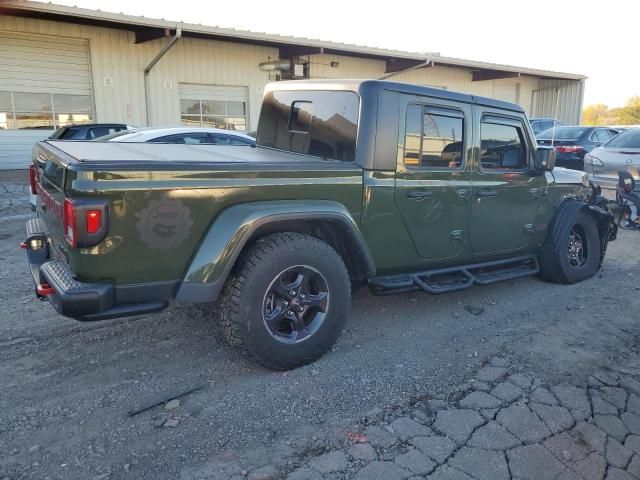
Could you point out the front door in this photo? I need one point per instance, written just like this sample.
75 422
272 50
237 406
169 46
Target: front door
433 190
505 191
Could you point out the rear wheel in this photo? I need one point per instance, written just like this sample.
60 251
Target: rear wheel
574 255
287 301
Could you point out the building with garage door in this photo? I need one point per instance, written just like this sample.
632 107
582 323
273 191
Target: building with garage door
62 65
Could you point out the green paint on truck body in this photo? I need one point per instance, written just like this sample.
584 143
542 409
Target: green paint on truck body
185 214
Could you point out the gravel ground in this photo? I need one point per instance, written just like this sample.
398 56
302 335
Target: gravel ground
93 401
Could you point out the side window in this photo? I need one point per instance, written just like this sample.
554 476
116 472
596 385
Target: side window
502 146
433 138
100 132
319 123
600 136
239 141
188 138
218 139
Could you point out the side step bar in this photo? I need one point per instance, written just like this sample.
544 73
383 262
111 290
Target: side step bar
451 279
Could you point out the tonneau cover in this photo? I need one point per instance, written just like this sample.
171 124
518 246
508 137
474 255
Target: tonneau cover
164 152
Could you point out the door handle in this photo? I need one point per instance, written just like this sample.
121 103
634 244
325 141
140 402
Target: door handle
419 194
534 192
487 193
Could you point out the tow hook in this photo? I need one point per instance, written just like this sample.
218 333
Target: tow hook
44 289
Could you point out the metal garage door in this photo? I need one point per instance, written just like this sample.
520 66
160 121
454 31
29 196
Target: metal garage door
214 106
45 82
506 91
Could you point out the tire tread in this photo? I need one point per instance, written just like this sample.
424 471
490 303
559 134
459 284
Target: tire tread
231 322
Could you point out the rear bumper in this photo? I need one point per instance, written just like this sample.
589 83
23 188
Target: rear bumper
84 301
573 162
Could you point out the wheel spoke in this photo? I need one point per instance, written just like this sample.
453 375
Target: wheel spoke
298 323
274 316
318 301
297 283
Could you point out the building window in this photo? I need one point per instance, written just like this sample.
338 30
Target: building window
20 110
230 115
433 138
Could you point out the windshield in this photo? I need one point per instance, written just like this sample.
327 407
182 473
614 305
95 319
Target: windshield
627 139
319 123
562 133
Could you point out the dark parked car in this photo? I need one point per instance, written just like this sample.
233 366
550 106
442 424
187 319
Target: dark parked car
572 143
541 124
87 131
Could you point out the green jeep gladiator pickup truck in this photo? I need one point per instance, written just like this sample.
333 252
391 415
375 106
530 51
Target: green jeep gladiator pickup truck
395 186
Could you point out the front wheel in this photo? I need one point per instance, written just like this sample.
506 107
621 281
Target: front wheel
287 301
574 255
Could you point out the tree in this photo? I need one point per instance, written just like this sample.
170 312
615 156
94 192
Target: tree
595 114
630 113
600 114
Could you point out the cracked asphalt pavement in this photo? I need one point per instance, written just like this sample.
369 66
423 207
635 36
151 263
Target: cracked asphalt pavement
520 380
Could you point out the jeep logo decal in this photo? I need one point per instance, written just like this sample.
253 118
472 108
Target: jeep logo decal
164 224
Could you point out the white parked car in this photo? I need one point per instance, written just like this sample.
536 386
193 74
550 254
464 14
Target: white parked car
620 153
186 135
180 135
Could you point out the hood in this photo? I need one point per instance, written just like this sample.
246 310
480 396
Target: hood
568 176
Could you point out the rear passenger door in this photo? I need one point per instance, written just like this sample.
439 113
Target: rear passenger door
506 190
433 188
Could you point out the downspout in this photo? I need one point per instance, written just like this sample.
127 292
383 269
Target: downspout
415 67
147 70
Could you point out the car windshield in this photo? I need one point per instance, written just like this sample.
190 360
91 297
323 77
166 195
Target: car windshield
562 133
627 139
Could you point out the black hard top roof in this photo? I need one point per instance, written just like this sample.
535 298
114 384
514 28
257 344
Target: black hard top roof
358 85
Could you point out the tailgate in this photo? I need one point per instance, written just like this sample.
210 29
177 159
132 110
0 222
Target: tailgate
50 203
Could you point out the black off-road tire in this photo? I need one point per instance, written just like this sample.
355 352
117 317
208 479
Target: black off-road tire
555 264
241 304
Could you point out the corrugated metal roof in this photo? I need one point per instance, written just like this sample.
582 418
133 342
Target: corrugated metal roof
39 8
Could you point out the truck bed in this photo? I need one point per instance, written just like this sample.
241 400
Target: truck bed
109 152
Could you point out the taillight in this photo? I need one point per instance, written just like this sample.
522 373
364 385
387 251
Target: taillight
69 221
86 221
33 179
93 220
569 148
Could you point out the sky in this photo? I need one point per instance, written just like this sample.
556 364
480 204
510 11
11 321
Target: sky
596 40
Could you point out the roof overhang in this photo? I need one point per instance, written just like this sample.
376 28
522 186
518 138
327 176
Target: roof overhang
148 29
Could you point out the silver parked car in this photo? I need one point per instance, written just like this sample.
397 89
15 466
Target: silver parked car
620 153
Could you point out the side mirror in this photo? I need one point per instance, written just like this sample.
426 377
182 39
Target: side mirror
545 159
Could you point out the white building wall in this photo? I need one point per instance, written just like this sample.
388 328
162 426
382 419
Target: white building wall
118 61
559 99
456 79
117 66
207 62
